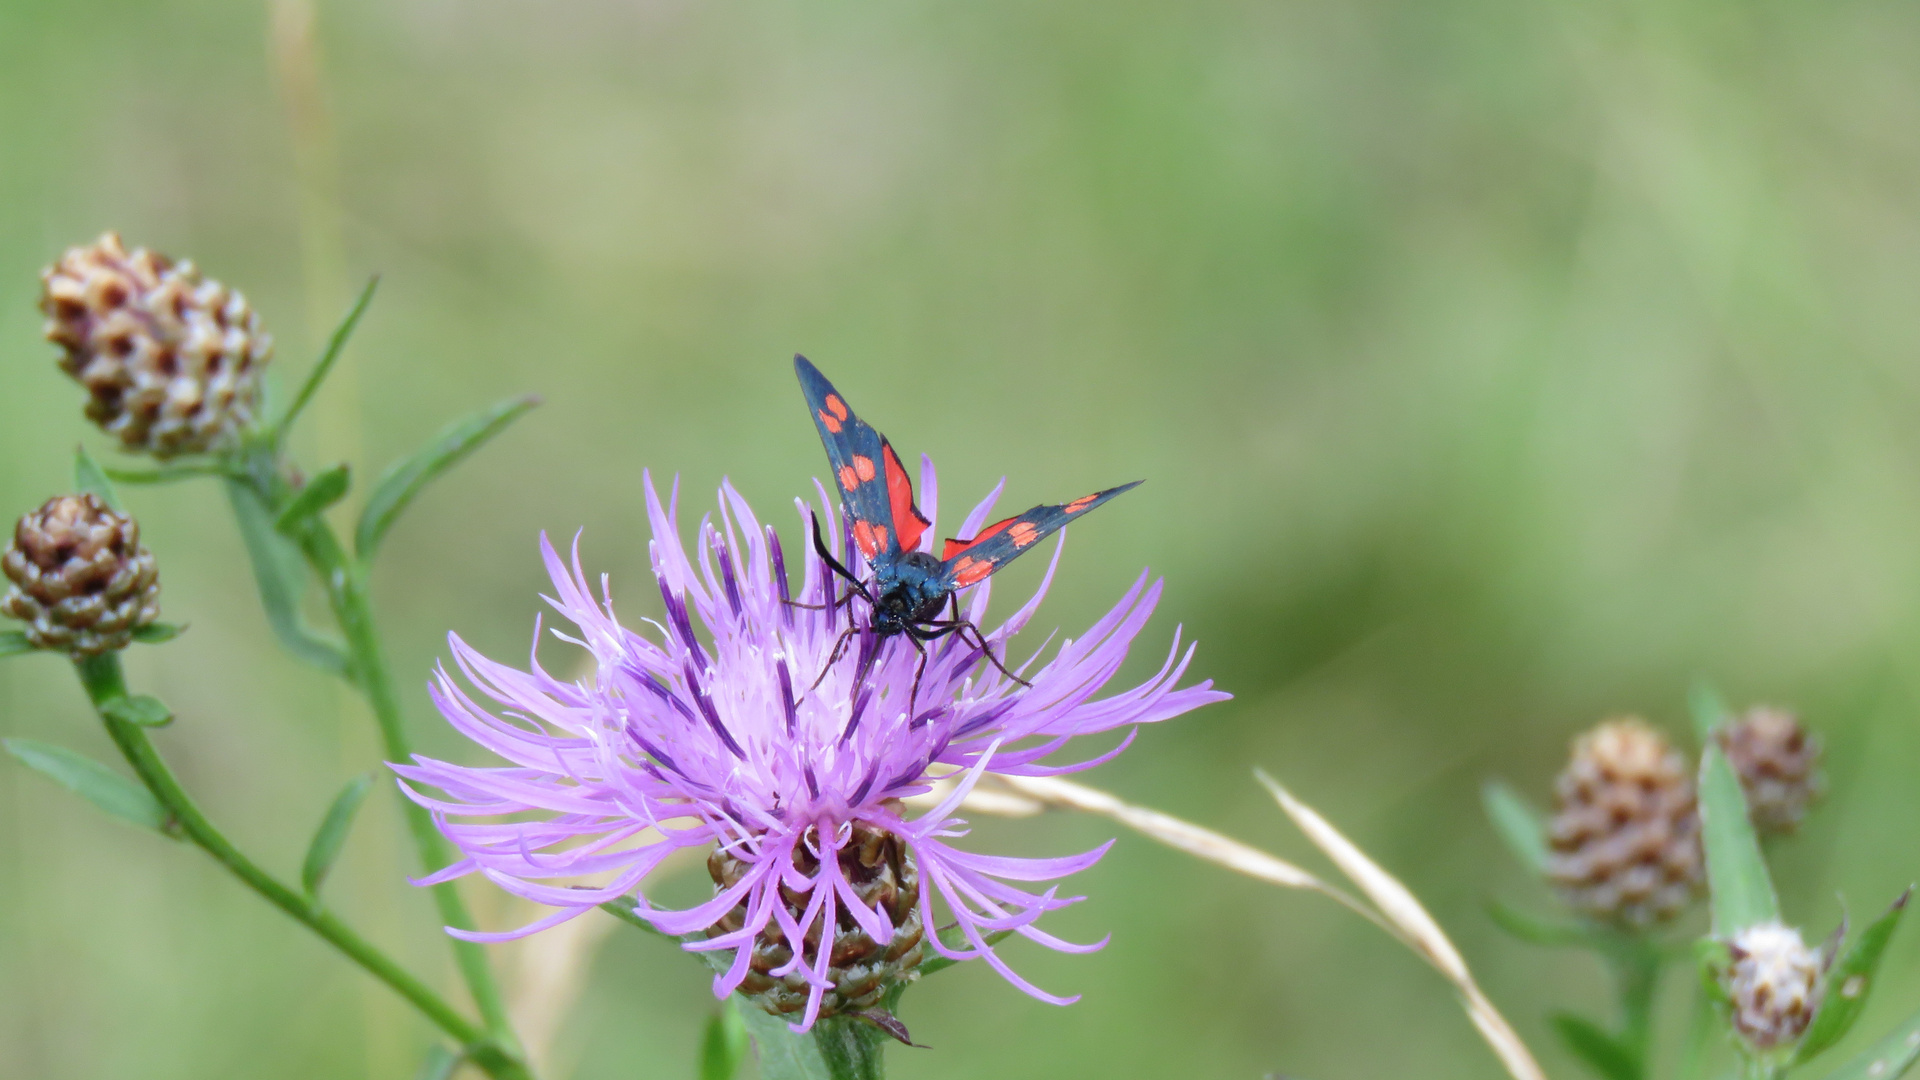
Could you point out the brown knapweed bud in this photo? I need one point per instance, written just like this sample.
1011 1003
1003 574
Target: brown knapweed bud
171 361
81 581
1778 764
1625 836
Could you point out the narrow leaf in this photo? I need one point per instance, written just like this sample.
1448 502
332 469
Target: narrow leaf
158 633
92 781
332 834
1535 930
282 580
725 1047
14 643
1518 823
1736 873
321 492
1849 982
439 1064
1600 1051
88 478
1888 1059
1709 709
335 345
141 710
405 479
166 474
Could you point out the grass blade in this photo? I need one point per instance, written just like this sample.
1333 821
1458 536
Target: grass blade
1518 823
332 834
1742 893
1849 982
405 479
158 633
92 781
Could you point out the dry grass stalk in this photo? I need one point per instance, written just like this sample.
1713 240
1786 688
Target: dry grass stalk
1398 913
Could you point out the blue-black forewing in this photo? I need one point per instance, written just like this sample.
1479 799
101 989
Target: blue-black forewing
993 547
872 481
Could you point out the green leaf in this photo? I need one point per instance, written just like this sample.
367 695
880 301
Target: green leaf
1889 1058
1742 892
321 492
141 710
838 1048
167 474
725 1047
282 579
15 643
1518 823
335 345
158 633
88 478
1849 982
92 781
1708 708
1600 1051
1535 930
332 834
405 479
439 1064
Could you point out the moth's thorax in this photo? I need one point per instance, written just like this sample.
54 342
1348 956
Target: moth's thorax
908 589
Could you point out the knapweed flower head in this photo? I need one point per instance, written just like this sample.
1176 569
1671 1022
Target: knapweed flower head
723 724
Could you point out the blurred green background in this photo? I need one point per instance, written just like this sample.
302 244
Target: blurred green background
1495 366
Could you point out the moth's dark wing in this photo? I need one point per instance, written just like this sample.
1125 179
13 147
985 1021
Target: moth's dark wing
967 561
873 483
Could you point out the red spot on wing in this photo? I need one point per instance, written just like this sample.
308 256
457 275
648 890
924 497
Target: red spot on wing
906 516
863 466
1023 533
831 422
863 534
955 547
848 478
1081 503
837 407
969 570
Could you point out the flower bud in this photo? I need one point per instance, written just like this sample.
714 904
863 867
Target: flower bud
1778 764
1772 984
171 360
1625 836
882 873
81 581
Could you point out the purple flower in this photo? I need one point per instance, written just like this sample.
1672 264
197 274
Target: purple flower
683 738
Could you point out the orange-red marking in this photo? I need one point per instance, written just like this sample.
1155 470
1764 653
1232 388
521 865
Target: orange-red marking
969 570
832 423
1080 503
863 467
863 534
1023 534
848 478
837 407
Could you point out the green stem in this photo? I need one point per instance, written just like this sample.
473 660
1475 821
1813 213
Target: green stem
1636 970
105 683
346 584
